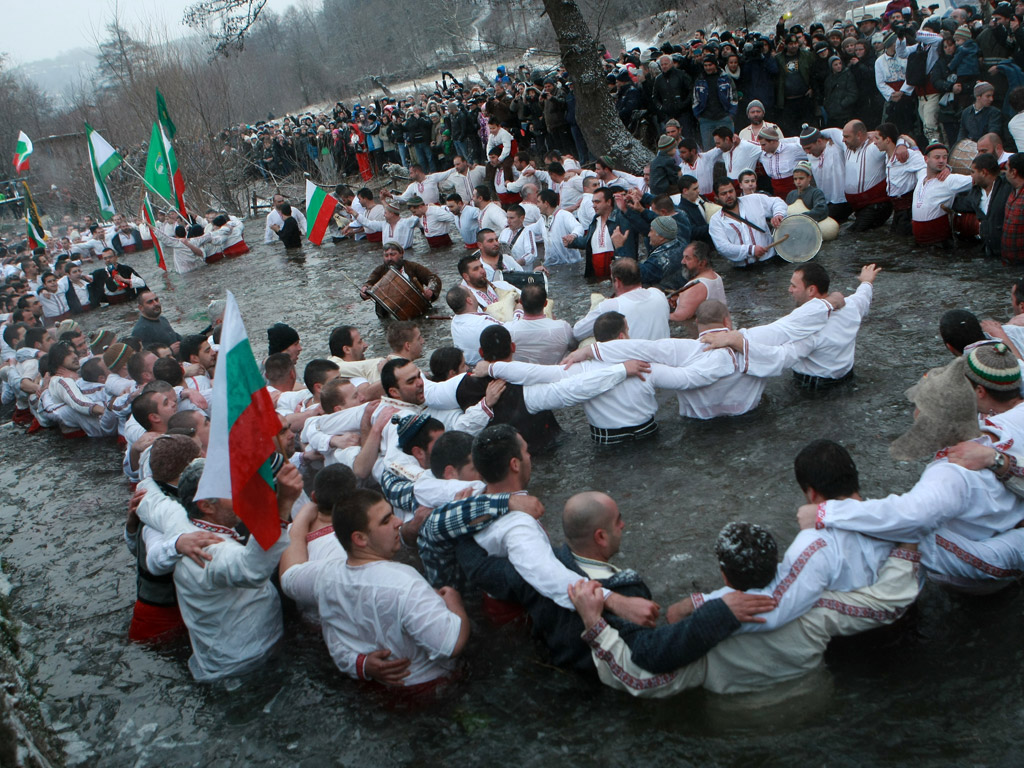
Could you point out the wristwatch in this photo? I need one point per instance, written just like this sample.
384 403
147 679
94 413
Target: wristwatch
1000 464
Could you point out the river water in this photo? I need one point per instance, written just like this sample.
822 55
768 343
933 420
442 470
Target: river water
943 690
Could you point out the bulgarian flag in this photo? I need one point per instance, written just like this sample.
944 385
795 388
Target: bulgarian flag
152 223
36 238
21 152
103 159
244 423
177 180
319 210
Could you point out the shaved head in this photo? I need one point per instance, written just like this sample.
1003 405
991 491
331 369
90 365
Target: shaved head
584 514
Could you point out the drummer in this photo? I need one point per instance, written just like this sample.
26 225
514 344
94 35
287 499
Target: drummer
805 191
740 230
422 279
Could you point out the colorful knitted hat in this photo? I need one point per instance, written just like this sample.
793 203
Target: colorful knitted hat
993 366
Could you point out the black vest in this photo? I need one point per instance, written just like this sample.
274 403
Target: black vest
539 430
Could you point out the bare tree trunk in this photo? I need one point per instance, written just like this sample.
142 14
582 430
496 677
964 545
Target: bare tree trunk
595 112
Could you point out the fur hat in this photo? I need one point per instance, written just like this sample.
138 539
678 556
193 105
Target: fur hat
947 412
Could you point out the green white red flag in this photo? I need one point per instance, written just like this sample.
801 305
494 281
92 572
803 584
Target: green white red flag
164 116
177 180
22 152
103 159
319 210
153 224
36 236
242 428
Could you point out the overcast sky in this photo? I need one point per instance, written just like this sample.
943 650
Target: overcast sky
42 29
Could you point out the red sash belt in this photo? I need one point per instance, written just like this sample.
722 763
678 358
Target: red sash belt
509 198
782 187
237 249
931 232
375 237
439 241
602 264
877 194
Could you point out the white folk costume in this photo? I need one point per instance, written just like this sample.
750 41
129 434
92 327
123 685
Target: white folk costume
552 229
466 330
931 221
401 231
865 176
735 239
426 189
522 245
829 168
229 604
645 309
541 340
493 217
703 170
779 165
744 156
435 222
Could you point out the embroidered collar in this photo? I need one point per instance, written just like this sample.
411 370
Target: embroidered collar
220 530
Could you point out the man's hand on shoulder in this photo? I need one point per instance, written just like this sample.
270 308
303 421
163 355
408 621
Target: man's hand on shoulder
531 505
746 607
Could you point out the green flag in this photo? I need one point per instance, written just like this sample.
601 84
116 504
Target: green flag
156 167
164 116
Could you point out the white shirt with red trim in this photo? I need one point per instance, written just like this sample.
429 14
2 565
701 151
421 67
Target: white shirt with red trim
735 239
231 609
742 157
931 194
780 163
865 167
816 561
436 221
903 177
829 169
703 170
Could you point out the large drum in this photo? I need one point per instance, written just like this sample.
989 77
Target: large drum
829 227
395 293
797 238
962 155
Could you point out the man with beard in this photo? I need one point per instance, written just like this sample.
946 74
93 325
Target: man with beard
740 230
425 281
152 327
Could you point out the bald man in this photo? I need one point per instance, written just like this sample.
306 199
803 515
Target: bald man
992 143
593 528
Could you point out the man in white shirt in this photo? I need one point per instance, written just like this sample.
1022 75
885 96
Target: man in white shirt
467 323
369 602
229 604
903 167
275 218
393 228
740 230
465 177
423 185
79 414
555 224
520 240
468 218
491 216
646 309
827 155
433 221
737 155
700 165
779 157
932 194
827 357
865 178
538 338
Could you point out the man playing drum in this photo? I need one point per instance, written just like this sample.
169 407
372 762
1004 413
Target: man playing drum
422 279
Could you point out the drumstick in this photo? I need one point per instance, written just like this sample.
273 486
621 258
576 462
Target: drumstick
782 239
359 288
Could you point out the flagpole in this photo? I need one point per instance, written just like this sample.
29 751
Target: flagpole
146 186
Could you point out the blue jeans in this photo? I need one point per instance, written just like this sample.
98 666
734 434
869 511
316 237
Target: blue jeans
462 149
707 126
582 153
403 153
424 156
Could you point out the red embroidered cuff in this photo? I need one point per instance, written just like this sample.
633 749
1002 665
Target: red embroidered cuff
590 636
819 522
487 410
697 599
905 554
360 666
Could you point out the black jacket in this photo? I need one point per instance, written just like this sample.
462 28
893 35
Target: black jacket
659 650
